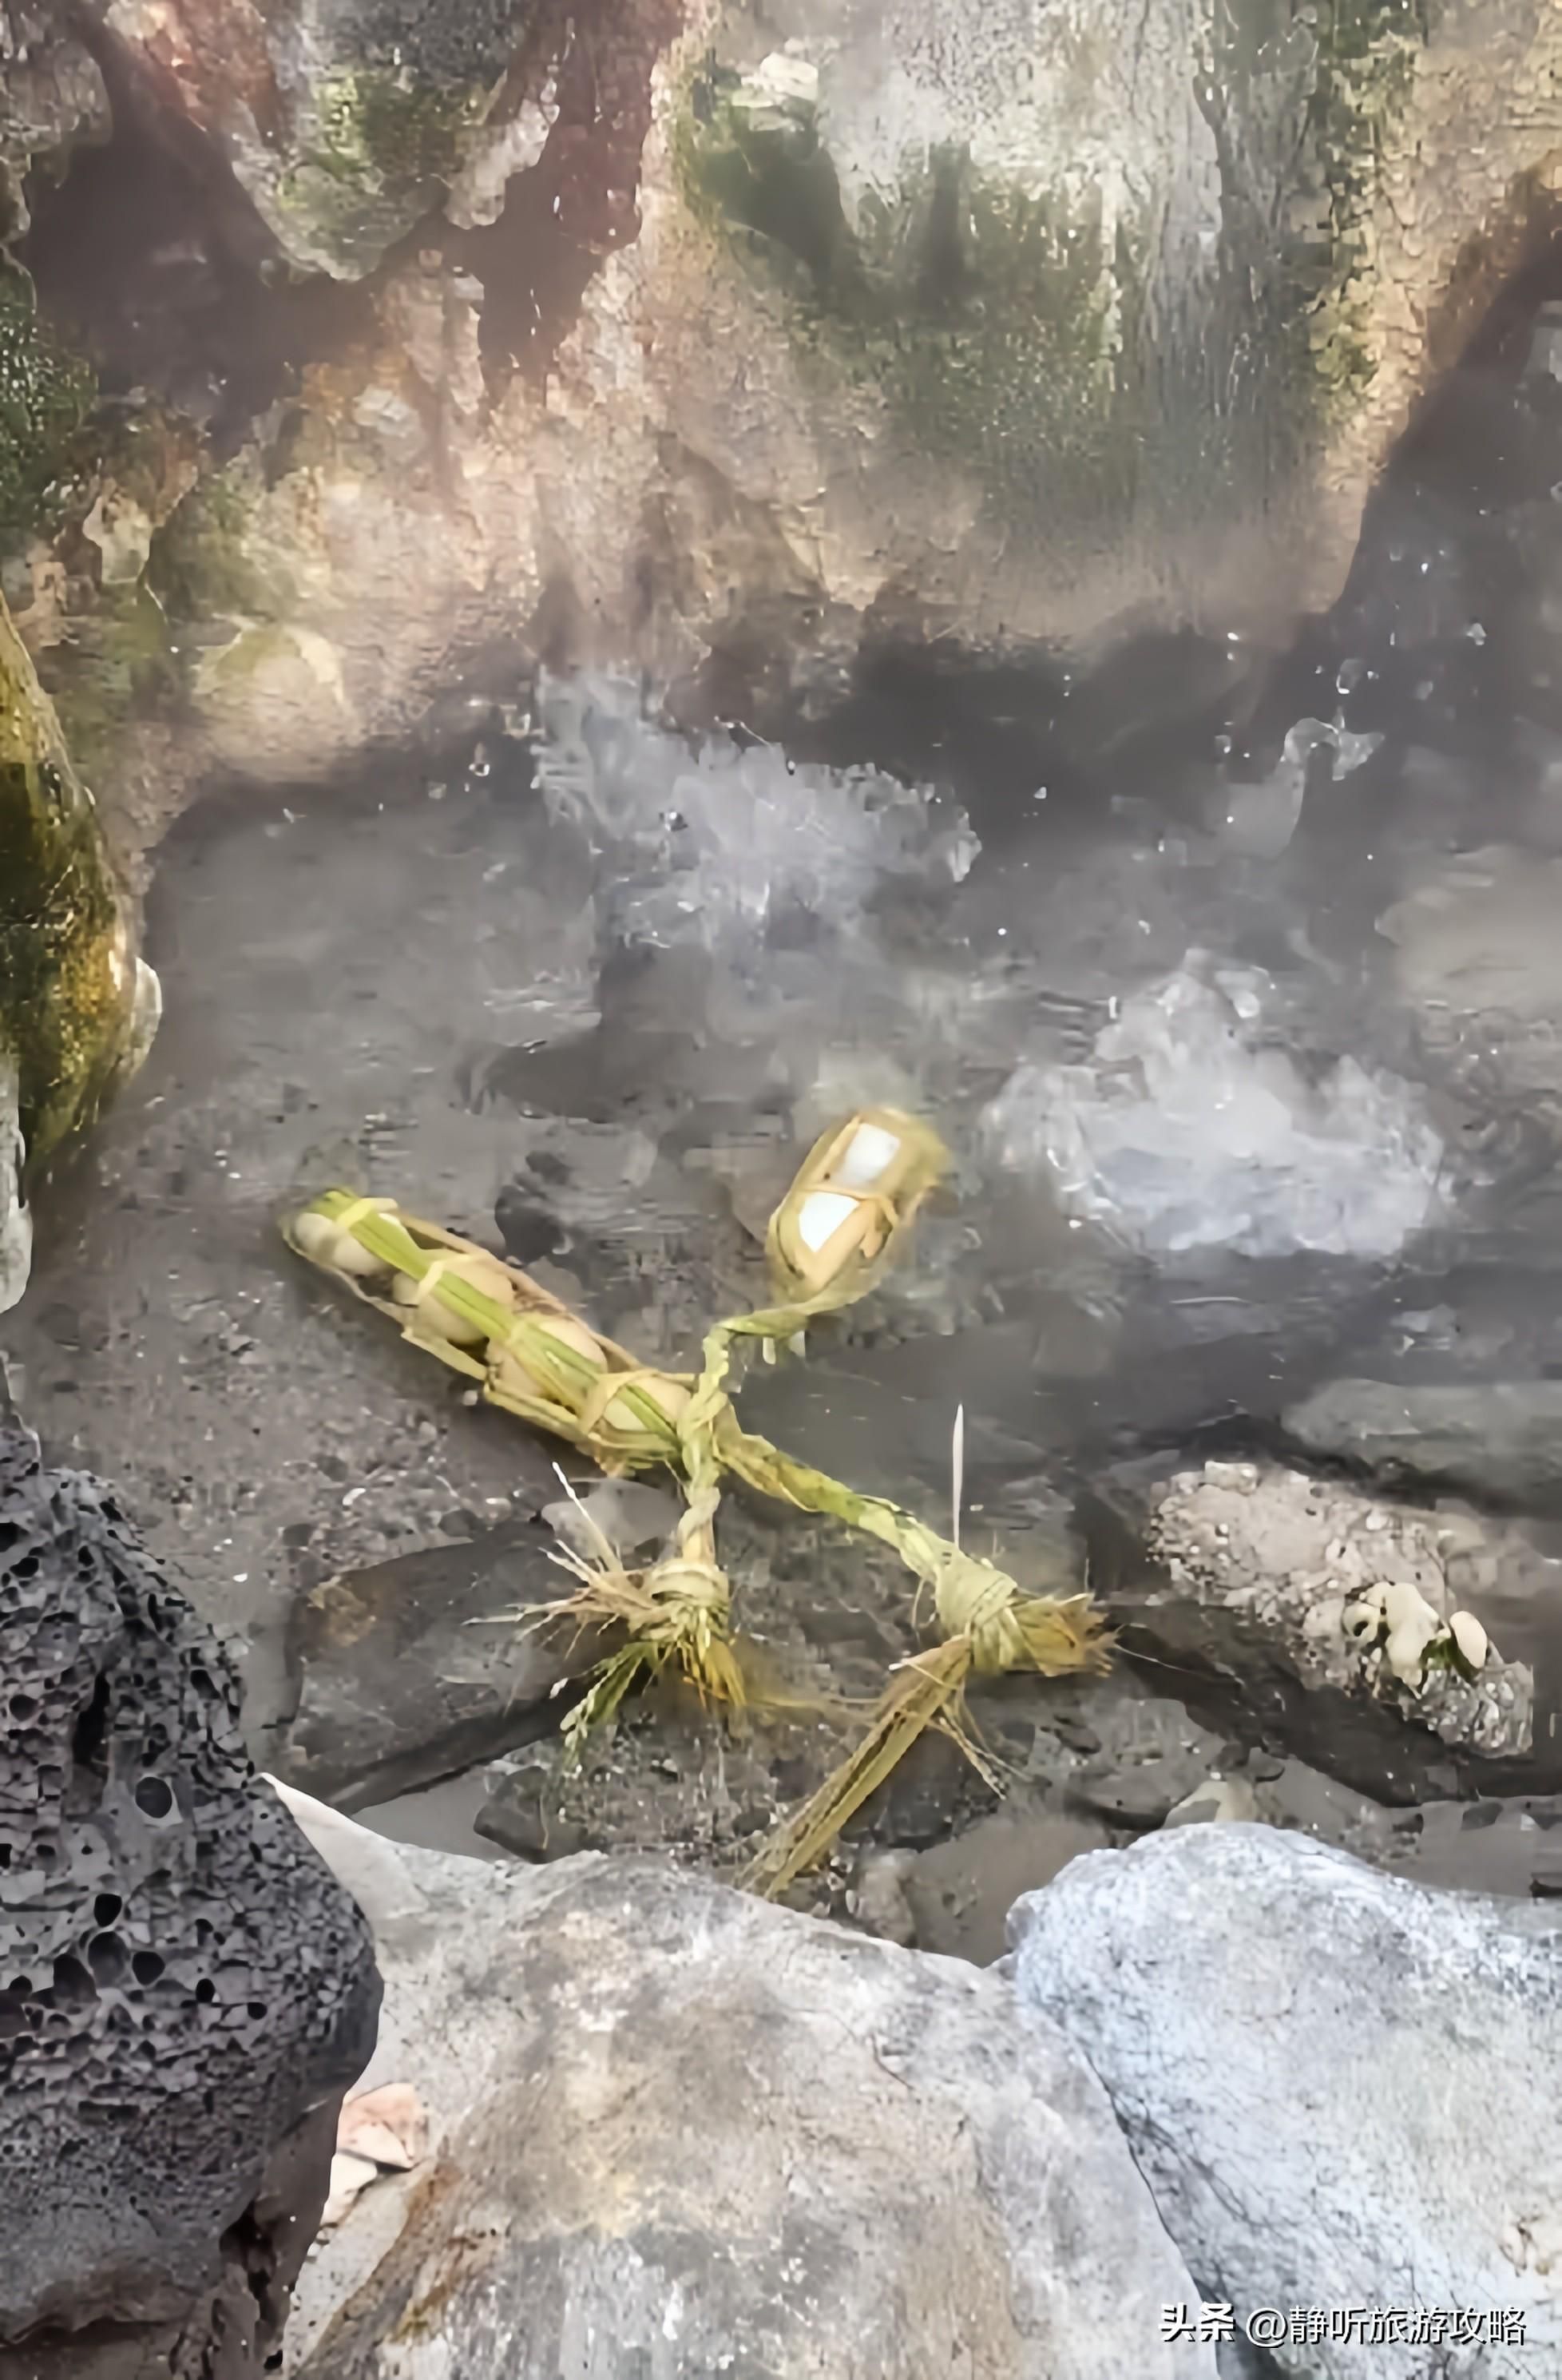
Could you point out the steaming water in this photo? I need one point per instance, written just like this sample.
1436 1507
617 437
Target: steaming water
1244 1035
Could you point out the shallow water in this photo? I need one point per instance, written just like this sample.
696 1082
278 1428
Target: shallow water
1243 1030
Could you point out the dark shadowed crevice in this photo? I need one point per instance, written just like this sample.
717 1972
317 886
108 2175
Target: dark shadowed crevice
150 259
1437 554
579 202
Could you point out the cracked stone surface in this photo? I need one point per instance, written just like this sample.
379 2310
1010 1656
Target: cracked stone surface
1240 1577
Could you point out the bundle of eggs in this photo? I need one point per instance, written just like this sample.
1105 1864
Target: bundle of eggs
327 1242
859 1184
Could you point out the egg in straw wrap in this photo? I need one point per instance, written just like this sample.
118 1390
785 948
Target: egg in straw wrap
525 1349
854 1199
436 1314
531 1356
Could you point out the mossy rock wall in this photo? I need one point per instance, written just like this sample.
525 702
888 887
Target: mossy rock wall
74 1001
46 394
1106 261
344 120
1030 324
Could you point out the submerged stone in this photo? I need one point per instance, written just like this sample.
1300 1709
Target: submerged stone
416 1668
1500 1438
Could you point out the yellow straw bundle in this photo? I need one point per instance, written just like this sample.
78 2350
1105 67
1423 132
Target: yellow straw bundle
487 1318
843 1220
532 1357
678 1613
991 1628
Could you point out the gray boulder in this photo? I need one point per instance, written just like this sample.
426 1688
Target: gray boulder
678 2131
1344 2090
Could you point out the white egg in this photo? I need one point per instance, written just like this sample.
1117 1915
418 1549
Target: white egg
328 1244
1472 1639
669 1396
821 1216
866 1156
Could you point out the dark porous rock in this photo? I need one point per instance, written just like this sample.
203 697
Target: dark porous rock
184 1990
412 1669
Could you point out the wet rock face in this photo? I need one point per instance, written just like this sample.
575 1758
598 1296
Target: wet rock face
794 331
347 122
78 1005
184 1988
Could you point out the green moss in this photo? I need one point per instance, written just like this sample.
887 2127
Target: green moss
1008 332
200 568
45 396
1014 361
992 320
762 169
409 134
67 982
1443 1653
382 150
1367 66
119 663
1308 311
137 651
